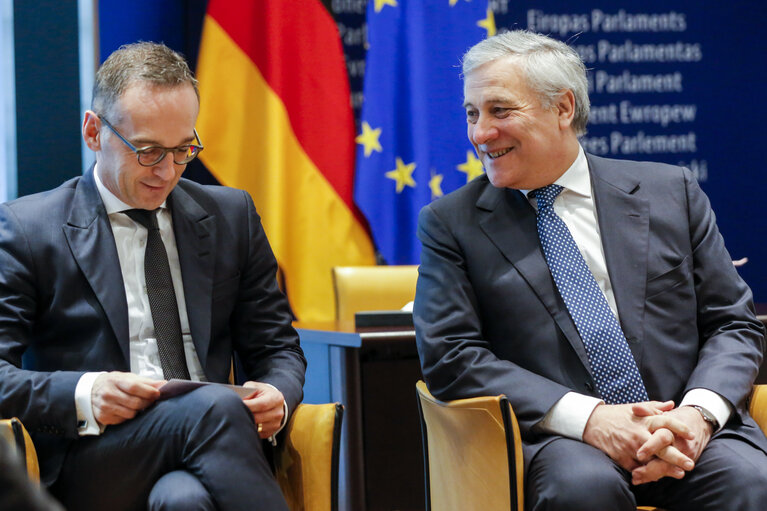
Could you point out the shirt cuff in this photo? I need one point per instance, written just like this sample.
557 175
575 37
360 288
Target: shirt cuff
273 438
711 401
568 417
86 420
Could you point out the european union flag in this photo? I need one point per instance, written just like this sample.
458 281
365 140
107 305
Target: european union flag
412 147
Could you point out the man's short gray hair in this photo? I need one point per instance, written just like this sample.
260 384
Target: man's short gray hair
550 66
146 62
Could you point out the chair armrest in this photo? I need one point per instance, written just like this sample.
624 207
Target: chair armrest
306 459
758 406
14 432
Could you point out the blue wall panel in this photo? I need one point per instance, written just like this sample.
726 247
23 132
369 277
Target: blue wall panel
47 93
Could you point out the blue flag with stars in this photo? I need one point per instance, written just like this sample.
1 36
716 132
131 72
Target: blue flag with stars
412 146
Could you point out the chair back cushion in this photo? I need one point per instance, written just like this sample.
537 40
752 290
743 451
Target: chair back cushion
372 288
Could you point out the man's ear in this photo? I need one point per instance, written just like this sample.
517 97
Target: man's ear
91 130
565 105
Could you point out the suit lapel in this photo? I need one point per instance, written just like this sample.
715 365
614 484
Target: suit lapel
624 225
195 233
90 239
511 225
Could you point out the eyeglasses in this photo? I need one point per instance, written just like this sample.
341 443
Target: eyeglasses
152 155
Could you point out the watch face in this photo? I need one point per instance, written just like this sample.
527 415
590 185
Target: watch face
707 416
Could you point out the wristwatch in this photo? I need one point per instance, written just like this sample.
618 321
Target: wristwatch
708 417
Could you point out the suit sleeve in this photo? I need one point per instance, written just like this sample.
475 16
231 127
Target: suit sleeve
43 401
456 359
731 337
262 333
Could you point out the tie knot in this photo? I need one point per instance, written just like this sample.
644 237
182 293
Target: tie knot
145 217
546 195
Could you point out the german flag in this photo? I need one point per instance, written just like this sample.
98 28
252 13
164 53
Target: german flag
276 121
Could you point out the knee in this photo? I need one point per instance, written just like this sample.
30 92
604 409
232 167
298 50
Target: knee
568 475
179 491
215 402
585 489
744 479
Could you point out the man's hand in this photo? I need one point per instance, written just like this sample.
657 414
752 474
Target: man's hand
266 405
654 452
117 397
618 432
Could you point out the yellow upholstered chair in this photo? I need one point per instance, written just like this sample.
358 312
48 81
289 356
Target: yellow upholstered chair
473 451
306 459
13 432
758 406
372 288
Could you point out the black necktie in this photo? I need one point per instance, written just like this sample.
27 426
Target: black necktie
162 298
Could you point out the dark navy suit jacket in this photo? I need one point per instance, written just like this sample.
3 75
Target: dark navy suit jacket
489 319
63 309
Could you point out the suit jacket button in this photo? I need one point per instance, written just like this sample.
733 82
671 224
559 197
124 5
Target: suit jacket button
589 386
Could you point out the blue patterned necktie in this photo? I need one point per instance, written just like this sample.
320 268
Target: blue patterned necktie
612 363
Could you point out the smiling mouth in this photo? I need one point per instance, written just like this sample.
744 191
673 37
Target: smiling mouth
498 154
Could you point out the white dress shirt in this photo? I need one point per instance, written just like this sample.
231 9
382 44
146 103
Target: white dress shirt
575 206
144 355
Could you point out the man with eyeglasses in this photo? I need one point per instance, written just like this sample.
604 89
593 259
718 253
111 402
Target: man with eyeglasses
129 276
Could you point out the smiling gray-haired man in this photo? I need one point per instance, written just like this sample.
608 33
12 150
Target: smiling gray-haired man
596 294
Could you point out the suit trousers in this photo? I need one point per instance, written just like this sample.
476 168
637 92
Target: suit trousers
571 475
202 441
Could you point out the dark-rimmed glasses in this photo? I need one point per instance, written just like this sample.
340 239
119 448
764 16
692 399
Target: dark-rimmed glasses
153 154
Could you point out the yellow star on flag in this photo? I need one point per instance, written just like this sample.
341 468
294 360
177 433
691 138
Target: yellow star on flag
435 183
369 138
488 23
403 175
472 167
380 4
453 2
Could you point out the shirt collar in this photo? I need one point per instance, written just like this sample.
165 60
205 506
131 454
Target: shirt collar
111 202
576 178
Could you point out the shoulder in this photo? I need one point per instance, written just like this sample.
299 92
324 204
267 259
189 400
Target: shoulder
31 226
214 198
460 214
670 190
50 205
209 192
647 172
460 201
231 209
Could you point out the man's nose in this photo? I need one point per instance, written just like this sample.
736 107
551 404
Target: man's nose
166 168
484 130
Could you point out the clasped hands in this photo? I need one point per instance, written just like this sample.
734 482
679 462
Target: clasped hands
651 440
117 397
